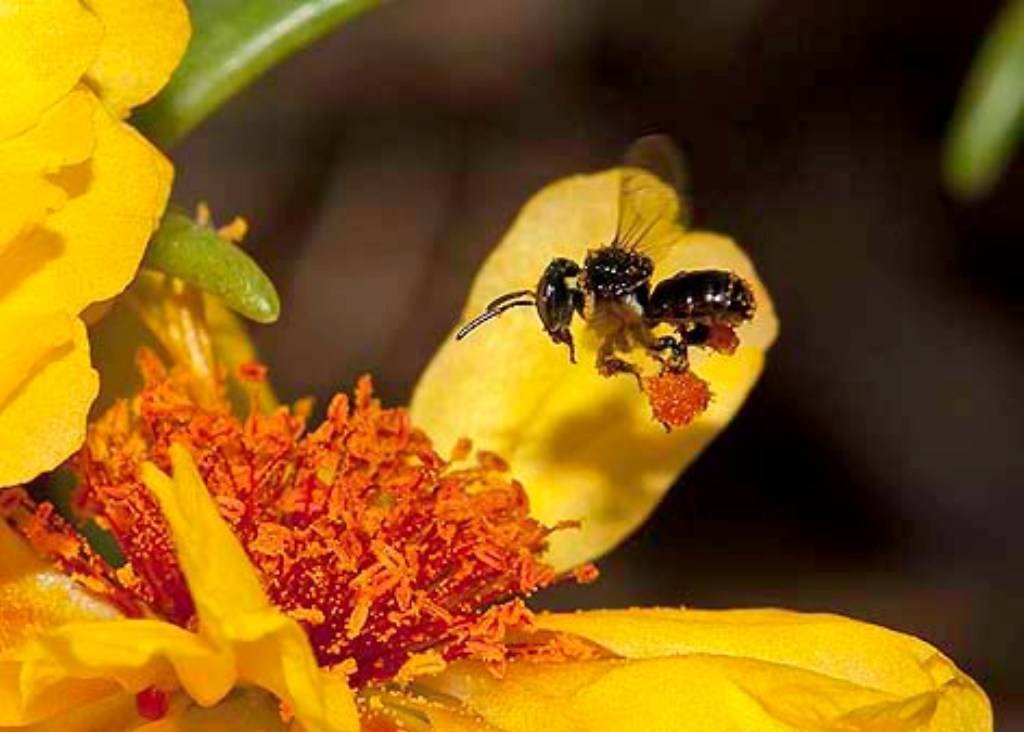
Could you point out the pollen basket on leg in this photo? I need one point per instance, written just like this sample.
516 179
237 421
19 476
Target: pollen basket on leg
382 549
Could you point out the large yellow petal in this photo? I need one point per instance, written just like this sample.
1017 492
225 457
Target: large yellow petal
832 645
45 47
42 419
732 671
64 136
584 446
269 648
90 248
30 341
144 41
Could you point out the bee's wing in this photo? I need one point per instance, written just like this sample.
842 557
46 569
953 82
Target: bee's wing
652 195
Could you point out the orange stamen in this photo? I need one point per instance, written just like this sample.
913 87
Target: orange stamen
380 548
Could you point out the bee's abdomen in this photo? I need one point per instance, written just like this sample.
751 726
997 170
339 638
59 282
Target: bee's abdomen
705 295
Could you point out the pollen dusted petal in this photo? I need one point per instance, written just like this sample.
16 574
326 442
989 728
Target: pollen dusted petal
219 575
267 648
585 447
34 598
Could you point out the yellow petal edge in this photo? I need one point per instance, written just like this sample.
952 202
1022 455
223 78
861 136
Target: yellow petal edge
584 446
727 671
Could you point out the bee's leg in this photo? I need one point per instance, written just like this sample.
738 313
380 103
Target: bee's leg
677 359
719 337
608 364
695 334
565 336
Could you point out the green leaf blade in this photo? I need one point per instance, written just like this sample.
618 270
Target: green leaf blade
198 255
988 119
233 43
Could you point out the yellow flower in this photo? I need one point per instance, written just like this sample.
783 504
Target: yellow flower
79 667
361 513
76 667
80 193
586 447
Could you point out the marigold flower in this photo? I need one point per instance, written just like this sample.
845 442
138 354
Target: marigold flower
349 578
584 446
80 193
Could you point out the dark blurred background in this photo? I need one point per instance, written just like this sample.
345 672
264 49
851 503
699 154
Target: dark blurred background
876 470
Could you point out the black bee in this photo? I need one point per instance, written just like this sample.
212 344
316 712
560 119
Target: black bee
612 289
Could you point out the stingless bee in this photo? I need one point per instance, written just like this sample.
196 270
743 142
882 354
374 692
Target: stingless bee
612 290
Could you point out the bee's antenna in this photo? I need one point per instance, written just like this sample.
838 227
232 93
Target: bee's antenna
496 308
509 296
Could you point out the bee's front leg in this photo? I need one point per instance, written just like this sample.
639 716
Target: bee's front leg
564 336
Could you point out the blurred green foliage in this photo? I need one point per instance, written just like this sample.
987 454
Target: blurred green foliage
987 122
233 43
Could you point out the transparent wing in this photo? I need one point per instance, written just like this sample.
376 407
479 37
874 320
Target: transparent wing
652 198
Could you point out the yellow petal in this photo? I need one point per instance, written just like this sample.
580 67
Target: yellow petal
42 421
34 598
143 43
585 447
45 47
63 136
111 714
245 710
832 645
29 343
86 661
729 671
90 248
270 649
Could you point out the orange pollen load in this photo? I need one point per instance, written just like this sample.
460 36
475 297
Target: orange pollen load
676 397
379 547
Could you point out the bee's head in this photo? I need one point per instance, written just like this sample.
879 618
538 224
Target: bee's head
611 272
558 295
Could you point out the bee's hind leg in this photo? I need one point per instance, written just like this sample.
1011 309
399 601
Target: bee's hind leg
719 337
676 358
609 364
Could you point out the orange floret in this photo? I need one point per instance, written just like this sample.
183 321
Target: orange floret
377 545
676 397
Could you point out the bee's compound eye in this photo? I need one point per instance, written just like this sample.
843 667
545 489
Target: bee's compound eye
557 295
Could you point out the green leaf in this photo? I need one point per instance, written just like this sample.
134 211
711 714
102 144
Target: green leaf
988 118
201 257
233 42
